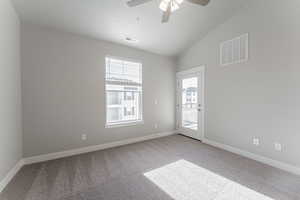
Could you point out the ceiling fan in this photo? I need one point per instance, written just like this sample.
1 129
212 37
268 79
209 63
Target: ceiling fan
167 6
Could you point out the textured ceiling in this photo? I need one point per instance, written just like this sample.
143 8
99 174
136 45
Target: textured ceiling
112 20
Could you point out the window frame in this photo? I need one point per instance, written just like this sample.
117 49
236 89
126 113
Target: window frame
125 122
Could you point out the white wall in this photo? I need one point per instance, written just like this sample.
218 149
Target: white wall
260 98
63 91
10 93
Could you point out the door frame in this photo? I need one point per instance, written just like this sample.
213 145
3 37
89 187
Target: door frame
197 71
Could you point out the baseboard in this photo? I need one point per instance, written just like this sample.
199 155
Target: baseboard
10 175
262 159
41 158
62 154
52 156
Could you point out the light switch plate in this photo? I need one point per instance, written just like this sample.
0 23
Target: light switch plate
83 136
277 146
256 141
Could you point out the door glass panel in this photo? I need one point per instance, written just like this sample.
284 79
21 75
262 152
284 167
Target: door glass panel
189 103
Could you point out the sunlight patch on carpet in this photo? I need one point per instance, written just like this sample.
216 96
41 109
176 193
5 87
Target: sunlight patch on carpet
183 180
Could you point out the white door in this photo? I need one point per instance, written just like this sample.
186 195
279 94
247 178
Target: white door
190 102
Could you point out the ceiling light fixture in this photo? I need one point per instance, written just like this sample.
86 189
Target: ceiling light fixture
174 4
167 6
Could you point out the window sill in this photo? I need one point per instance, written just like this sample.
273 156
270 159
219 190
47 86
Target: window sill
124 124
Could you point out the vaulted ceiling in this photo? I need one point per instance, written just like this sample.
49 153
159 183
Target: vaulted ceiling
112 20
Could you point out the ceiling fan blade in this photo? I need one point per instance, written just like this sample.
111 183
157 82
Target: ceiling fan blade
199 2
166 14
133 3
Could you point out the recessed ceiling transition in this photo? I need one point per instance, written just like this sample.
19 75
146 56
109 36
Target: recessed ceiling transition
114 21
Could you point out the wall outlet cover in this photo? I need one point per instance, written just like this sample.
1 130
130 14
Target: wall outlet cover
83 136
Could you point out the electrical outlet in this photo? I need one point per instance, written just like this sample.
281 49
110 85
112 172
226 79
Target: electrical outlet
83 137
155 102
256 141
277 146
155 126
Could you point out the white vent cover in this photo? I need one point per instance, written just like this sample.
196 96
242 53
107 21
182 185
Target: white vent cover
234 51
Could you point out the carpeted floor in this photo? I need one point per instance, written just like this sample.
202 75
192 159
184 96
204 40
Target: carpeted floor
173 167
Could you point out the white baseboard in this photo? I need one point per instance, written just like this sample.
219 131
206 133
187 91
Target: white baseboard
62 154
52 156
262 159
11 174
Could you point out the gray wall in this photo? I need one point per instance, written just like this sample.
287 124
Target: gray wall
10 93
63 91
260 98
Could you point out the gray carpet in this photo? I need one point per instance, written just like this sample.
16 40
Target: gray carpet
173 167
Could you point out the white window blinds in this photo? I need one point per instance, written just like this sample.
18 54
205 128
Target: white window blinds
123 72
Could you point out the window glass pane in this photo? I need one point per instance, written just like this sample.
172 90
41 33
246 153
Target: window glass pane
189 103
113 98
123 99
113 114
123 109
116 67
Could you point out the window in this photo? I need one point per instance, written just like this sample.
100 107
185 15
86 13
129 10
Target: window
123 85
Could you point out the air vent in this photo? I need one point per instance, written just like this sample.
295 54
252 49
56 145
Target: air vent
234 51
131 40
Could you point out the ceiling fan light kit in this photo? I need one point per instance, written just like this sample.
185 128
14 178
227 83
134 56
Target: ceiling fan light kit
167 6
174 5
